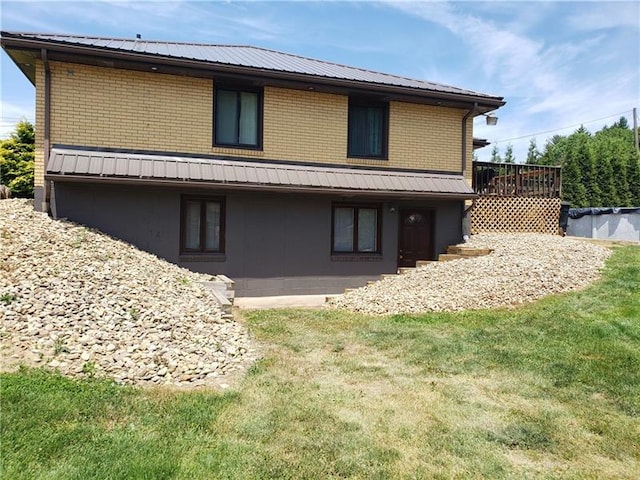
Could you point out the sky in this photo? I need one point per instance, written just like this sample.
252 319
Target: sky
558 64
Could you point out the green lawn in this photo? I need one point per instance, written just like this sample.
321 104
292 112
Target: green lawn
550 390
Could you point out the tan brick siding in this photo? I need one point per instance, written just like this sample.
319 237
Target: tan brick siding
305 126
38 179
127 109
106 107
425 137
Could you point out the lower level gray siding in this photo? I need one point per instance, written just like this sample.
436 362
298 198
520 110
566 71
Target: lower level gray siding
276 243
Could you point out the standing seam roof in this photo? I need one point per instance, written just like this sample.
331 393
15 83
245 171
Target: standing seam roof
246 56
102 164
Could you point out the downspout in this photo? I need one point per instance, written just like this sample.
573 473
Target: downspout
466 227
47 127
464 137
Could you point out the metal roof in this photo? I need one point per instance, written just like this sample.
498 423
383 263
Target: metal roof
244 56
92 165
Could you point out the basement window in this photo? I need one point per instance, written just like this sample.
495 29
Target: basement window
356 229
201 225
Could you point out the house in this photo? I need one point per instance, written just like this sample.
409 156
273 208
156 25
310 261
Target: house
287 174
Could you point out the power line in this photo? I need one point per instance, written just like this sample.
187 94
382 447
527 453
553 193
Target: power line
558 129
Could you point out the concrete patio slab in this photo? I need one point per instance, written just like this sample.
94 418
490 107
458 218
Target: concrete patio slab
284 301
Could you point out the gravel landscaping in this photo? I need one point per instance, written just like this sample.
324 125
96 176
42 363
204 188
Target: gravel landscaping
522 268
86 304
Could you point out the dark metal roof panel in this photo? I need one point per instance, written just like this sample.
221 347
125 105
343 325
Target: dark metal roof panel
245 56
66 161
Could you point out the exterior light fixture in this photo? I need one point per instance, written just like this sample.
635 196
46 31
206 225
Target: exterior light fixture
491 120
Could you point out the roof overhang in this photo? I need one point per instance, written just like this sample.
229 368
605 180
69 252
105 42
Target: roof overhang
100 166
24 50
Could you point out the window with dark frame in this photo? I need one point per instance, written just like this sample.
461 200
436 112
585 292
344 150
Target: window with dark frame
368 129
202 222
356 228
237 118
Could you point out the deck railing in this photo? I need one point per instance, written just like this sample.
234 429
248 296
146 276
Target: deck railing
516 180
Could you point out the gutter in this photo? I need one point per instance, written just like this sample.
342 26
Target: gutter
47 126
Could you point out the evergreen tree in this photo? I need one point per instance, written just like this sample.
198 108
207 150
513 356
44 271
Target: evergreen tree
619 164
495 155
508 155
633 179
605 173
622 123
17 160
555 151
615 143
605 165
533 155
573 190
581 152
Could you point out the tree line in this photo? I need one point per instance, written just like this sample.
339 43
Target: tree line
598 170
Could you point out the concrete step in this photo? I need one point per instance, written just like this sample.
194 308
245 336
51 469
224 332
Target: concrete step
225 305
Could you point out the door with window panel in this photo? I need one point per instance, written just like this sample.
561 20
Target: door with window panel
416 236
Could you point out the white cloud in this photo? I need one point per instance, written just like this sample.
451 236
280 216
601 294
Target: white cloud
550 79
607 15
12 113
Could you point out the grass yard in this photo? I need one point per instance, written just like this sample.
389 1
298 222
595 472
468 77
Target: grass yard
550 390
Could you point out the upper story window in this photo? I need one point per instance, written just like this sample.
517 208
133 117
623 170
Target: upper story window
368 129
238 117
201 224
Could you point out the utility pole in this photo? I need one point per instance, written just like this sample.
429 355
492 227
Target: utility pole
635 129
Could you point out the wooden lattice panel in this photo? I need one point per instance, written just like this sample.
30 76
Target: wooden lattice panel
515 215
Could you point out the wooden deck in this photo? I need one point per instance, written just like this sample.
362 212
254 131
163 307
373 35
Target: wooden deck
516 180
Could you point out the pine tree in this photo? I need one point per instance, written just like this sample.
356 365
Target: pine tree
620 169
581 152
495 155
601 152
615 144
533 155
508 155
555 151
605 165
622 123
633 179
573 190
17 160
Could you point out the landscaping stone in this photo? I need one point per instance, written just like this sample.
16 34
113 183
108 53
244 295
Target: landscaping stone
522 268
89 305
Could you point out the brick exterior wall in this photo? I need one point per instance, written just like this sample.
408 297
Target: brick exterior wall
38 178
107 107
